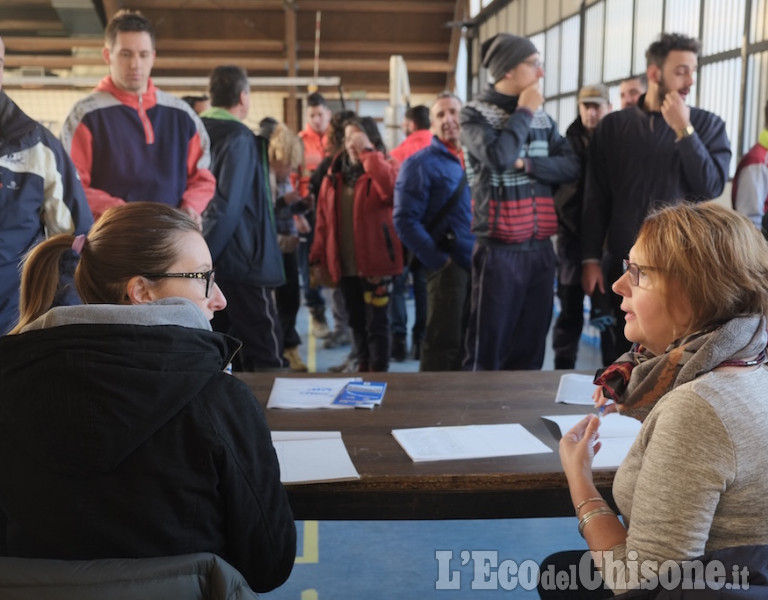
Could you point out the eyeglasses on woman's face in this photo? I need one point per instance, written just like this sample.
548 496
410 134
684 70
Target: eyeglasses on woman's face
635 271
208 276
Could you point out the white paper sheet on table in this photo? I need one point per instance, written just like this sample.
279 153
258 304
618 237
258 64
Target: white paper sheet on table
575 389
307 392
468 441
617 433
312 456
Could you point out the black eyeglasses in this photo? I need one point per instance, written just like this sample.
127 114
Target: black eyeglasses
207 275
634 271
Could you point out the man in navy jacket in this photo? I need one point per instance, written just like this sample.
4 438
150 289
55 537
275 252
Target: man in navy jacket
40 194
239 225
644 157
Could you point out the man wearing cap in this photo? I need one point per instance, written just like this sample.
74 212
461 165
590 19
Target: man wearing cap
594 104
648 156
515 156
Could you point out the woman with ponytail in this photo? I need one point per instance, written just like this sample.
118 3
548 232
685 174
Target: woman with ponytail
121 435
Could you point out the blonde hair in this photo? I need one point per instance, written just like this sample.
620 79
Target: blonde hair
285 146
713 255
130 239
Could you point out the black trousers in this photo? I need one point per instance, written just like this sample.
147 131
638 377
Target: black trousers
288 300
251 317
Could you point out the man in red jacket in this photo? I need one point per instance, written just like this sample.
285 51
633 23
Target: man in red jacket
131 141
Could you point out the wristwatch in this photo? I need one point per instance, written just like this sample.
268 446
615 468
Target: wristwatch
684 133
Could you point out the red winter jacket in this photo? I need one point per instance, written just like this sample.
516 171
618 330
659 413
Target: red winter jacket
378 250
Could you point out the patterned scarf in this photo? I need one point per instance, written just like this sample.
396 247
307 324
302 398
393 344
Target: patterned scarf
638 379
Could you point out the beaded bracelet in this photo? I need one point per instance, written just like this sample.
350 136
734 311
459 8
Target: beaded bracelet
604 510
587 501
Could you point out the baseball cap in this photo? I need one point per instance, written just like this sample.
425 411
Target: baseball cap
596 93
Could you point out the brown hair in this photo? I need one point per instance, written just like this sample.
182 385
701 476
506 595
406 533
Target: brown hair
127 20
130 239
714 256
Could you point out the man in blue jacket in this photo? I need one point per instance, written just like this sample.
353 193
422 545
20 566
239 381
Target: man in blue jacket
239 225
432 217
40 195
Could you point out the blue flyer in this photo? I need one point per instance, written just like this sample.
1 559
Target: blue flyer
365 394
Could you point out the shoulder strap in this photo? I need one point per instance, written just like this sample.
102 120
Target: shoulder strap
448 206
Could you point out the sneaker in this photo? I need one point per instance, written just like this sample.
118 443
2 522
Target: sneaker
320 327
294 360
399 347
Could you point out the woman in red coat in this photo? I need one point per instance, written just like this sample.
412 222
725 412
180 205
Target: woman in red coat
355 243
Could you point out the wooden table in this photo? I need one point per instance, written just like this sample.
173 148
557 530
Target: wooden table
392 486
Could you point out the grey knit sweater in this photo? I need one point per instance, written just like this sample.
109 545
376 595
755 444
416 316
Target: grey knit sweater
696 478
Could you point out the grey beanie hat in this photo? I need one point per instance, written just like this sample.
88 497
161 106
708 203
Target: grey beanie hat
503 52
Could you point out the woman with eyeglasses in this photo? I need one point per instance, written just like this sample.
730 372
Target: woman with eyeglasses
120 433
695 294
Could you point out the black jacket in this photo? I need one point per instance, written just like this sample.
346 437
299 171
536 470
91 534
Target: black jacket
124 440
636 166
239 223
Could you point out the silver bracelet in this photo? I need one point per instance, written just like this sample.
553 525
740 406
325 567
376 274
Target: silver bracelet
603 510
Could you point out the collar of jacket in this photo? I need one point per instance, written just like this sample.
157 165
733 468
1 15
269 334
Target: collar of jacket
216 112
147 100
14 123
763 138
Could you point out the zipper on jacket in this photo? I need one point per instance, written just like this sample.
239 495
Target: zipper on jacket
388 240
149 134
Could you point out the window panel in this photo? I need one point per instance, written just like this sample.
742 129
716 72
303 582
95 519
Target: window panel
618 39
723 26
758 30
569 110
757 95
719 83
682 16
551 107
551 83
569 54
593 43
647 28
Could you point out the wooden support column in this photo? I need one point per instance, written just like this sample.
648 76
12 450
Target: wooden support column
291 115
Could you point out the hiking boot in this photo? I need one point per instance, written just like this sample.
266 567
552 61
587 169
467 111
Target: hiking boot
399 347
320 327
294 360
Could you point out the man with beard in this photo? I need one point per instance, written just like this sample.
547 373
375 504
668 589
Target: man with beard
656 153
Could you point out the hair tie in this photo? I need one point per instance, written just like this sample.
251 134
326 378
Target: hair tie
78 243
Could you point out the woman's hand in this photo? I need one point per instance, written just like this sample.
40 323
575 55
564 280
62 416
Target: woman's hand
578 447
604 404
302 225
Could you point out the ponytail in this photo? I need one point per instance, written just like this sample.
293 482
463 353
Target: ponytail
40 278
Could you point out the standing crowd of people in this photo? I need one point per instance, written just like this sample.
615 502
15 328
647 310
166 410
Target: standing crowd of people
188 239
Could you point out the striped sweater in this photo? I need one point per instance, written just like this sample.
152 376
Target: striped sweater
512 206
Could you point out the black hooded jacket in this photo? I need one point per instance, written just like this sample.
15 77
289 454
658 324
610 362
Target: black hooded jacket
128 440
